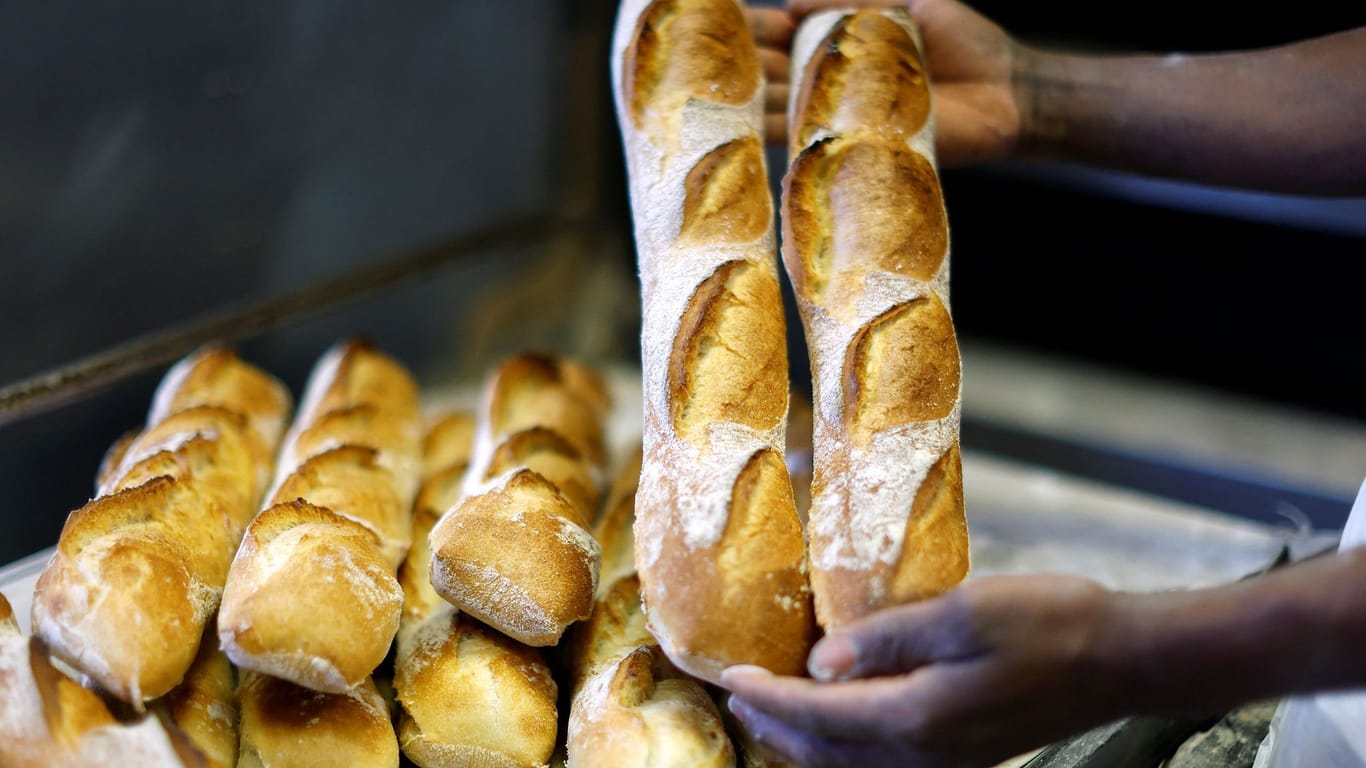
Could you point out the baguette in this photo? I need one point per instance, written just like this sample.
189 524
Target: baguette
286 726
630 705
337 521
139 570
865 243
514 552
470 696
718 544
204 705
48 720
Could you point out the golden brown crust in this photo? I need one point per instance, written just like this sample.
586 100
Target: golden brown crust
729 361
142 576
935 556
285 725
482 561
757 570
933 559
216 376
8 624
335 638
689 49
139 569
448 443
350 482
613 530
616 627
853 207
714 342
528 391
643 705
213 423
726 195
109 465
555 459
865 75
365 375
515 552
472 696
902 367
204 705
866 245
438 494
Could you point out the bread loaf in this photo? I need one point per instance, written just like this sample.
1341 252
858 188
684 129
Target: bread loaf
866 244
514 552
718 544
470 696
630 706
204 705
139 570
286 726
336 524
48 720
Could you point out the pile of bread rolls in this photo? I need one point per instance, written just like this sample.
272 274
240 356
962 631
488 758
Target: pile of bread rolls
364 581
356 583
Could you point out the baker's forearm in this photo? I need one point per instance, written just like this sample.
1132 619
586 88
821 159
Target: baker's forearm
1291 118
1296 630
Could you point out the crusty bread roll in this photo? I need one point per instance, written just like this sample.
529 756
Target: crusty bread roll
470 696
337 523
359 396
286 726
310 598
474 697
139 570
48 720
514 552
866 244
630 706
204 705
718 543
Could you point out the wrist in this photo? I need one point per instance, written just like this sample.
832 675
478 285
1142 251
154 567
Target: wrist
1038 84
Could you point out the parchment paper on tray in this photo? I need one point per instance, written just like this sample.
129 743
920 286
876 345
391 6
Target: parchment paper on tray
1024 519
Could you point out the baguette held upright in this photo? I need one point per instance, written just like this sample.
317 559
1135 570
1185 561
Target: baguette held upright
866 244
719 547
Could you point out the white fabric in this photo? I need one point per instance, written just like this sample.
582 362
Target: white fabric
1327 730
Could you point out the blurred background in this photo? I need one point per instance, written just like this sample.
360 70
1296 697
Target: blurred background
160 162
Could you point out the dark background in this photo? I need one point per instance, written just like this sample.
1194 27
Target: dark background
159 161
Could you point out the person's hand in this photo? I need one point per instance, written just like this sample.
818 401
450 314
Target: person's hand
971 62
990 670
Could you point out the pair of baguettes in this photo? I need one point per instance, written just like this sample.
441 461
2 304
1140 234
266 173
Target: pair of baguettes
720 550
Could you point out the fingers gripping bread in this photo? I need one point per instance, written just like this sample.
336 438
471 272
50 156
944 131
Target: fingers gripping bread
865 243
336 524
139 570
718 543
515 552
630 706
469 695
